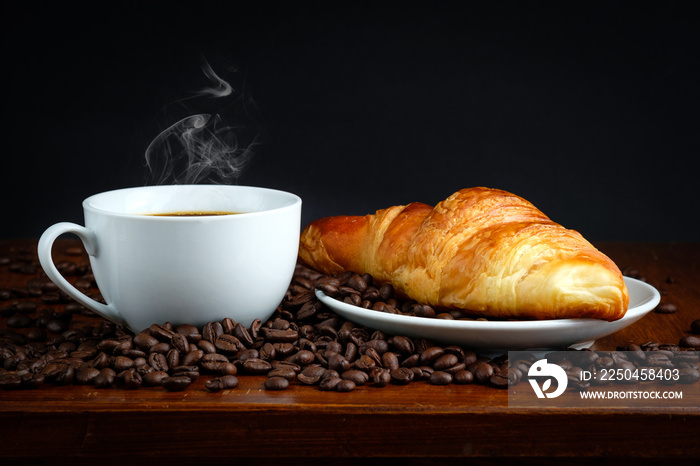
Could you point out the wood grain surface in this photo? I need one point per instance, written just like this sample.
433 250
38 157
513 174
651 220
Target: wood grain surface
81 424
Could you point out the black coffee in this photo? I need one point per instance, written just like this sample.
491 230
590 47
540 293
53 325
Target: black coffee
194 214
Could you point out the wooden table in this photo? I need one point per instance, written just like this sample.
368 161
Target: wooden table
81 423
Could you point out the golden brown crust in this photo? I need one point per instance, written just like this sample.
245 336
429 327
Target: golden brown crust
483 250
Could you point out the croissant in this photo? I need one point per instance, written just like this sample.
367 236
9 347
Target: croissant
483 250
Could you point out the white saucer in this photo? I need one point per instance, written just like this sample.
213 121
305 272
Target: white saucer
503 335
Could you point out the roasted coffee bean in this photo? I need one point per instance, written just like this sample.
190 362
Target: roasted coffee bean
220 368
390 360
36 334
133 353
365 363
101 361
286 372
228 344
460 366
123 344
418 373
160 332
689 341
190 332
56 326
158 362
108 346
499 379
356 282
85 354
228 325
52 369
357 376
276 383
345 385
298 300
386 292
180 343
192 357
105 378
411 361
86 375
431 354
308 310
212 331
401 375
176 383
254 329
337 362
206 346
695 327
350 351
189 371
267 352
666 308
329 383
154 379
329 289
440 378
226 382
482 372
243 335
380 377
280 324
445 361
463 377
25 307
284 349
247 354
256 366
403 345
423 311
303 358
286 365
380 346
173 357
311 375
132 379
19 321
279 336
122 363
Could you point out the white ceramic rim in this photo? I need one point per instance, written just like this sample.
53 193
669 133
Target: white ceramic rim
293 202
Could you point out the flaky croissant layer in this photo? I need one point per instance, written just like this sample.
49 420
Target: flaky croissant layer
483 250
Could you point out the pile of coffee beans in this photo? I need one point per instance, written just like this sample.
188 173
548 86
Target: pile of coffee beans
303 343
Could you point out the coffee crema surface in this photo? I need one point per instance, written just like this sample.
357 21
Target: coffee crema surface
193 214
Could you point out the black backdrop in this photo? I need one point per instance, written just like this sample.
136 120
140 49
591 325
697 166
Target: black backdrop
589 110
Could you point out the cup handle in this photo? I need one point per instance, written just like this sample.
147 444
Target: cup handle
89 240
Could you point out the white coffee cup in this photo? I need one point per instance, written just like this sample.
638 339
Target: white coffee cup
198 269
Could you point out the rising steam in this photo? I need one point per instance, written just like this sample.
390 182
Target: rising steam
200 148
221 88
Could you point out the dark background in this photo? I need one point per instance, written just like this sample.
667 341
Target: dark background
589 110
